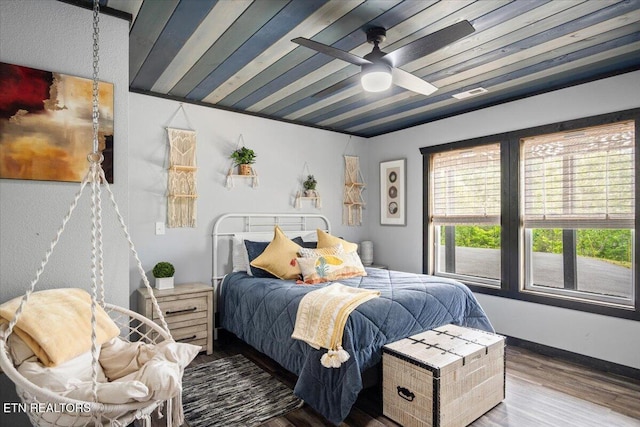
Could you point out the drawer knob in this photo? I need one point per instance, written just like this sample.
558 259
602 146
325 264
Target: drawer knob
186 310
406 394
192 337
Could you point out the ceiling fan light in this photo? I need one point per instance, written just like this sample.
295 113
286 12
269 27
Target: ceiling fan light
376 78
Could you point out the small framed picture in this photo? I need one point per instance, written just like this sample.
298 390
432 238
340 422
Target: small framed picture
393 209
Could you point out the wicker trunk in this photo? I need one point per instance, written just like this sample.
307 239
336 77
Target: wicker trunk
445 377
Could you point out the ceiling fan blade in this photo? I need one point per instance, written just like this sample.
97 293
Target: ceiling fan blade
413 83
331 51
337 87
429 43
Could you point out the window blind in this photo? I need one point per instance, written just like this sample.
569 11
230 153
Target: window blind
466 186
580 179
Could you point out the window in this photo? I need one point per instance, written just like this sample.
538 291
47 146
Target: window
466 213
579 213
545 214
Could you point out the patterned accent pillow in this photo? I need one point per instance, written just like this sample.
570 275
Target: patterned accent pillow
314 253
329 268
327 240
279 258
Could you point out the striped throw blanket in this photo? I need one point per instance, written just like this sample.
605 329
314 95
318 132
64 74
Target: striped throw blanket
322 315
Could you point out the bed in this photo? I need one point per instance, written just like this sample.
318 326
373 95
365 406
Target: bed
262 312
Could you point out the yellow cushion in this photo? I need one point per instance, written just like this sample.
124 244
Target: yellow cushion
279 258
326 240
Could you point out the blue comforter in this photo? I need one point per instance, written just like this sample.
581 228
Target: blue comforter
262 312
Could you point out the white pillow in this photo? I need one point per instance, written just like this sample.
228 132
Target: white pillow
120 358
73 379
154 372
239 257
311 237
161 374
64 377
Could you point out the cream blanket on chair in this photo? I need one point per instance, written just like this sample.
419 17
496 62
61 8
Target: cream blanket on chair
322 315
56 324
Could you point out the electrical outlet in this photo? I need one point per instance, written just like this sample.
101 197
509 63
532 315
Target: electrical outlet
159 228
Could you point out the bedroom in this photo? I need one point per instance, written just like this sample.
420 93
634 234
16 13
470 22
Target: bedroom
39 41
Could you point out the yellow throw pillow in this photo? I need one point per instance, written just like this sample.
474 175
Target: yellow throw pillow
326 240
279 258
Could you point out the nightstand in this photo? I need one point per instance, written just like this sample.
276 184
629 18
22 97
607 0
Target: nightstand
187 309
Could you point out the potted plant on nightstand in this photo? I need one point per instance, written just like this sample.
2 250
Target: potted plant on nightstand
243 158
310 186
163 272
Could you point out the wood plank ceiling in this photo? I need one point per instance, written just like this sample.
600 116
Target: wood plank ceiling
238 54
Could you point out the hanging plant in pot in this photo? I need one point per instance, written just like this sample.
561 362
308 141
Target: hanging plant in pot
243 158
163 272
310 186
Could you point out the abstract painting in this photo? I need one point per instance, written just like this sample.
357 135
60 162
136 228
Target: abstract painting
392 192
46 128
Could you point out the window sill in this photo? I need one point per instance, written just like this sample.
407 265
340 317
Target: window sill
623 312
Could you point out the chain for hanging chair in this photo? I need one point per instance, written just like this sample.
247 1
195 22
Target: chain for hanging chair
95 176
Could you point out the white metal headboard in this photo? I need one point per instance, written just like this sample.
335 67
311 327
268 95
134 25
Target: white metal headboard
232 223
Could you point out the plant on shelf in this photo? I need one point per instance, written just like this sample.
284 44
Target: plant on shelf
310 186
243 158
163 272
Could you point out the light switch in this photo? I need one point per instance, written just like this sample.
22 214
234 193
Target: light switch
159 228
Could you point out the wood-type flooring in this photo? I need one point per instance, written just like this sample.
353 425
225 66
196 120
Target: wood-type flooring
541 391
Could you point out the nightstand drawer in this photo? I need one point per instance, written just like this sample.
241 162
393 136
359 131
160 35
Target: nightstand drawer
184 309
184 320
190 333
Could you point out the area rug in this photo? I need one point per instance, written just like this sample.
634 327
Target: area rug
233 392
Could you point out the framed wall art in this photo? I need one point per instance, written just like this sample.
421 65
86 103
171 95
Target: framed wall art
393 209
46 128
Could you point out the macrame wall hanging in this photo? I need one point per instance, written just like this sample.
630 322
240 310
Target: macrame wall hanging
181 203
353 202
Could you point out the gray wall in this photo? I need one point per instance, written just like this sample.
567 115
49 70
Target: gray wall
55 36
590 334
282 150
48 35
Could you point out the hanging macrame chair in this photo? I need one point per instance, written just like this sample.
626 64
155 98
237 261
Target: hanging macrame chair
133 327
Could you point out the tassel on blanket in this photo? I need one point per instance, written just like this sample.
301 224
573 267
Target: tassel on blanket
160 410
334 358
177 412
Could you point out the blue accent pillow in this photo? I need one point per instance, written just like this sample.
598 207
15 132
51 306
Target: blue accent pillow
254 249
